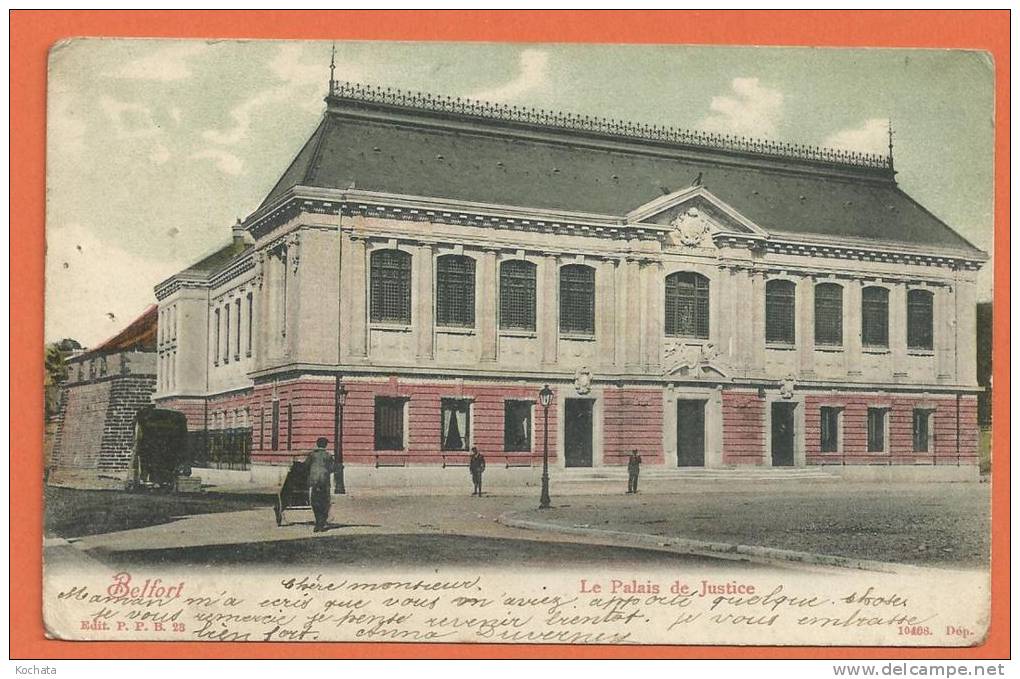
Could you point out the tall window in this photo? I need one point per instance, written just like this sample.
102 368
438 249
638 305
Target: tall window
830 417
456 424
275 431
517 295
389 423
517 426
780 312
237 335
391 287
577 299
875 317
216 345
226 333
922 430
919 319
876 429
251 309
455 291
686 305
290 426
829 314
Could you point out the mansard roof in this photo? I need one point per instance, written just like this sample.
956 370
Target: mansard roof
418 145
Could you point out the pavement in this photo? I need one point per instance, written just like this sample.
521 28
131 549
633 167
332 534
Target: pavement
748 524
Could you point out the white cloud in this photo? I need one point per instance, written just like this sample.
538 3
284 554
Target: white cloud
165 63
130 120
871 137
176 115
159 154
753 110
65 126
227 162
88 278
301 82
533 74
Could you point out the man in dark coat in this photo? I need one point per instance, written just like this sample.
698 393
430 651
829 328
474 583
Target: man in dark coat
633 469
320 466
477 465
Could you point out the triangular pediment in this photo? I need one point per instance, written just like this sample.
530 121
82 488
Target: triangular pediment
695 211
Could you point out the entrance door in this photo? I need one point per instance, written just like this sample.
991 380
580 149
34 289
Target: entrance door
782 434
577 424
690 433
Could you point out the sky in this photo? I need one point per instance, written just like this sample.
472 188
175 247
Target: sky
156 147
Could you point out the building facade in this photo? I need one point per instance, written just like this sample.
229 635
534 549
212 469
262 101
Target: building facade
712 302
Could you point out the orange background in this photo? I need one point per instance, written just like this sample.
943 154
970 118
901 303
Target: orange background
32 32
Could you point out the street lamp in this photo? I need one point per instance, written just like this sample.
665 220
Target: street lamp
338 437
545 398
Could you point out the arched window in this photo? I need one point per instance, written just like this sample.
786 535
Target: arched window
780 312
829 314
455 291
875 317
391 287
577 299
919 319
517 295
686 305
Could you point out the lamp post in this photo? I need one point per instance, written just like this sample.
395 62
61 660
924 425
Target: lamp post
340 396
545 398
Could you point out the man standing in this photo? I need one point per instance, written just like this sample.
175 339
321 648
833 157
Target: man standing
633 469
477 466
320 466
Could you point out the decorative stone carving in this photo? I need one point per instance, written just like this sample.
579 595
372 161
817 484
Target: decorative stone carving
692 360
786 387
260 267
582 381
294 251
690 228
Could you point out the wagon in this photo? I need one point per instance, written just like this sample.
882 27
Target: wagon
294 493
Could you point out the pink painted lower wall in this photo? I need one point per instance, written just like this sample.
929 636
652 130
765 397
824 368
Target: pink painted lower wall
631 417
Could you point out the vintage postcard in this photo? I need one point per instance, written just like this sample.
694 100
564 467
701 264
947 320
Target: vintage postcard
518 343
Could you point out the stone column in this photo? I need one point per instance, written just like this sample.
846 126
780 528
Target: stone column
633 325
806 326
945 334
605 313
722 315
898 330
966 329
853 352
487 292
548 309
757 317
358 285
423 314
651 275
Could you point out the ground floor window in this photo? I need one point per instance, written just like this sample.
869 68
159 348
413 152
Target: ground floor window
877 418
517 426
922 430
456 424
830 421
389 423
290 426
275 431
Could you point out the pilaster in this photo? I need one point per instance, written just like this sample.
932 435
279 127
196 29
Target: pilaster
806 326
423 314
548 307
852 318
486 290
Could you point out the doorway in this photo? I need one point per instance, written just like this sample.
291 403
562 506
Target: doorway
690 433
577 432
783 434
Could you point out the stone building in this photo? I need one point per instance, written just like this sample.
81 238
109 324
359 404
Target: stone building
714 302
104 390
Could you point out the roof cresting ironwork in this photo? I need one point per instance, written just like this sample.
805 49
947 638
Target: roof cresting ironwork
609 126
